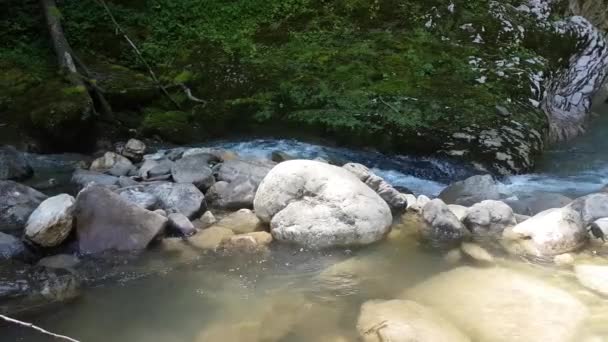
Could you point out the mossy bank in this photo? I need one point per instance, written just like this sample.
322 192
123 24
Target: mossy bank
456 78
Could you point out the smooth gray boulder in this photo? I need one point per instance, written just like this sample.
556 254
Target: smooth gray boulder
178 197
404 321
489 218
138 196
10 247
195 170
178 222
105 221
471 190
549 233
442 226
17 202
113 164
593 277
319 205
238 181
537 202
82 178
13 165
52 222
498 304
395 199
154 169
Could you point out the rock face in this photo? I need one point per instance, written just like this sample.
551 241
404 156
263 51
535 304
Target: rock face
497 304
593 277
552 232
238 181
195 170
395 199
443 227
106 221
568 98
17 202
471 190
112 163
181 197
241 222
51 223
404 321
13 165
10 247
319 205
489 218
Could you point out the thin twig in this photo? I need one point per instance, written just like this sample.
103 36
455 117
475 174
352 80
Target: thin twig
388 105
120 30
39 329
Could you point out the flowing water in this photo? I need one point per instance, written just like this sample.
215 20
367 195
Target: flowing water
291 294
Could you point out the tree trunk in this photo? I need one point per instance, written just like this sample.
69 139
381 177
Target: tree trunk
65 57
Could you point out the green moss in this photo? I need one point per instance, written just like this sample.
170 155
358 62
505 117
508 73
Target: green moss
174 126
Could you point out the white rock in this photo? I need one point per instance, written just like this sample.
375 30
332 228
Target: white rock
551 232
51 223
459 210
497 304
320 205
443 227
404 321
112 163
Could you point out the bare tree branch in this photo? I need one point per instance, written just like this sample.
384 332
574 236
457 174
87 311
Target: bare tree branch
120 30
39 329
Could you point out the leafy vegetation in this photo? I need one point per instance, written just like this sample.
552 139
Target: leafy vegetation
377 72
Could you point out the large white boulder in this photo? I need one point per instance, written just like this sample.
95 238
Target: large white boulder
489 218
549 233
51 223
319 205
404 321
497 304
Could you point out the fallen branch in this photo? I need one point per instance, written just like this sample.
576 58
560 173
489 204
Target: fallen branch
190 96
39 329
120 30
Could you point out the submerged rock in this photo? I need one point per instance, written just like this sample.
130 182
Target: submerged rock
52 222
106 221
552 232
471 190
593 277
210 238
404 321
13 165
319 205
242 221
443 227
25 289
17 202
477 253
61 261
498 304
